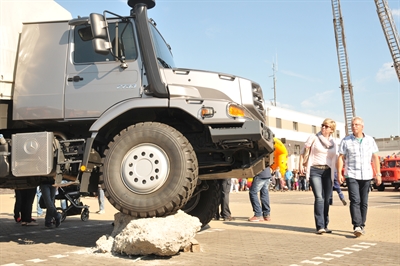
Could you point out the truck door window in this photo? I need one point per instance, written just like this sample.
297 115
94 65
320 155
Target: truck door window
84 52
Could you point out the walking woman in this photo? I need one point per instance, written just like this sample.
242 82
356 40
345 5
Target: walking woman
320 169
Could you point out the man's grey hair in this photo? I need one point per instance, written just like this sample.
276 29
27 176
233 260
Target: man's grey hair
357 118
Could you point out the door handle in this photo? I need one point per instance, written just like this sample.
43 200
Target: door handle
75 79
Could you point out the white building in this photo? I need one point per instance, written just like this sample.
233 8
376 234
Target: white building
294 128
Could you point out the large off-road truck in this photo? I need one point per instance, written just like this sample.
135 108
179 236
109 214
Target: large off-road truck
98 100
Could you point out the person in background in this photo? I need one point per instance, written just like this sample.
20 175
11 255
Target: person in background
288 178
320 171
302 181
17 206
23 206
279 180
39 210
243 184
225 214
234 185
49 193
336 187
261 184
100 199
295 180
356 151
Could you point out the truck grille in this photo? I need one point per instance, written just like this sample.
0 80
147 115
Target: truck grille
258 100
387 174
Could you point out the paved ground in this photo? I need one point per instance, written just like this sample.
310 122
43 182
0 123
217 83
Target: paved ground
288 239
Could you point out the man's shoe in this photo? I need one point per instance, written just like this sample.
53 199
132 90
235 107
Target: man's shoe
328 231
230 218
267 218
18 220
321 231
48 226
101 212
256 219
358 231
344 202
58 220
216 218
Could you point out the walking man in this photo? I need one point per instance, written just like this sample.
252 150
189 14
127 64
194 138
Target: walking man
261 184
356 151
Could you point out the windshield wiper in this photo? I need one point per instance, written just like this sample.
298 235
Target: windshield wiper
163 63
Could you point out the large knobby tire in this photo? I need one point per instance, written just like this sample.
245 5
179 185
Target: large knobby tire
149 170
204 205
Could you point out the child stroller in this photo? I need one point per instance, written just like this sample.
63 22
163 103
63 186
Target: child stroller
69 197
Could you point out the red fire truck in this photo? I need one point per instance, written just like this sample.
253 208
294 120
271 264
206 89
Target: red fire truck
390 171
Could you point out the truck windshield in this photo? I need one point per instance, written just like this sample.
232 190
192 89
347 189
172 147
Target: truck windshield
392 164
163 51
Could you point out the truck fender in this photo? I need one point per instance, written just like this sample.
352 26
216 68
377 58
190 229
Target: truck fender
124 106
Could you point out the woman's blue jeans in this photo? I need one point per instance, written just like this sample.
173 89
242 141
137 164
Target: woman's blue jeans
260 185
321 184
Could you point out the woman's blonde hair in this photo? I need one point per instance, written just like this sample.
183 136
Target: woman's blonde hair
331 123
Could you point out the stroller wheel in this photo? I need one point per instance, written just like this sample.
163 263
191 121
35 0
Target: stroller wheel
85 214
63 214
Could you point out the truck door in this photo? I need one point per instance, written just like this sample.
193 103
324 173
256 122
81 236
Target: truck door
96 82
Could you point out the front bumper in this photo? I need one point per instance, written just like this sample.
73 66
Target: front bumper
249 133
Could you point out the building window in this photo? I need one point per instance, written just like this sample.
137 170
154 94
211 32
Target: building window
278 123
296 149
314 129
295 126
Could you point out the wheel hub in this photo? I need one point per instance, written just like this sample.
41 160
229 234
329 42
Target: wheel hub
145 168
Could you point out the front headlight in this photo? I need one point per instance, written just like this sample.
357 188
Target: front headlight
235 110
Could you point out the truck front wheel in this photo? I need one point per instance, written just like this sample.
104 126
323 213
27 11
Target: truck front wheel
149 170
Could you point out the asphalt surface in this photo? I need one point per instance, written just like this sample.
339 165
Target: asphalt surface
288 239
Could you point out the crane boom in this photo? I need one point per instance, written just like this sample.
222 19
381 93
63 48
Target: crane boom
390 31
346 86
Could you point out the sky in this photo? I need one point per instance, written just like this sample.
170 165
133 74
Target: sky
246 38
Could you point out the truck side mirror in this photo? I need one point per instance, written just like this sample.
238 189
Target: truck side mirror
101 42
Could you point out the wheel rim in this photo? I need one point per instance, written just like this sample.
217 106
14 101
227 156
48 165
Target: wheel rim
145 168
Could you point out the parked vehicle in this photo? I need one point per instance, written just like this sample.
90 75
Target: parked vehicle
99 100
390 171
